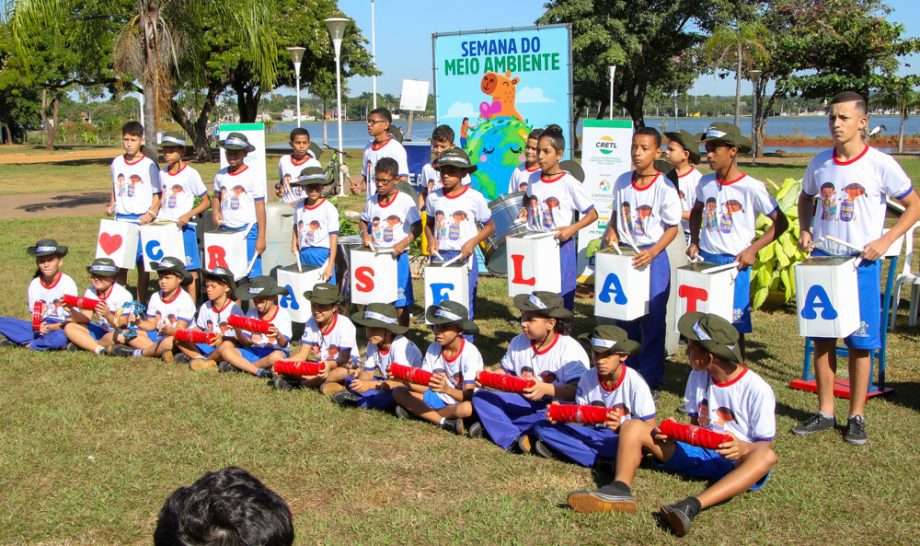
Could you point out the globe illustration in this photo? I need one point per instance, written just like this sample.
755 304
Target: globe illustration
496 147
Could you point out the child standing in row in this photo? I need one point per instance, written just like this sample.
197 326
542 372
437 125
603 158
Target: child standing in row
316 224
291 165
93 330
557 195
683 154
522 173
649 216
183 185
383 146
45 300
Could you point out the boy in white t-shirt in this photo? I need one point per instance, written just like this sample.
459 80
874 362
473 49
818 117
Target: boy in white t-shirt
291 165
391 220
93 330
728 203
239 199
611 385
182 185
136 192
383 145
522 173
647 213
454 363
851 182
256 352
457 212
723 396
316 224
682 153
213 318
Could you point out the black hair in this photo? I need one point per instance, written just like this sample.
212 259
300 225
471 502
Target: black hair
227 507
387 165
827 185
554 133
299 131
651 131
563 326
133 128
535 134
443 133
382 112
850 96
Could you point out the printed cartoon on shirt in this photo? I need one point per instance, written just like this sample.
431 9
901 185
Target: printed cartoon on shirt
643 214
135 180
549 204
440 228
828 201
723 417
726 223
847 206
311 231
388 229
619 409
173 196
626 217
120 184
710 215
233 198
453 233
702 413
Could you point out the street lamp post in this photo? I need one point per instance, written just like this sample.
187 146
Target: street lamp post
755 79
296 57
336 26
374 54
613 72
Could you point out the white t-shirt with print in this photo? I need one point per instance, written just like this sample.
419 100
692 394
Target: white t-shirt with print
238 193
168 312
730 210
316 223
134 183
552 201
456 217
289 171
745 407
851 196
52 296
686 188
339 337
115 301
401 351
643 214
460 371
281 321
214 320
519 177
564 361
630 397
179 192
373 153
390 223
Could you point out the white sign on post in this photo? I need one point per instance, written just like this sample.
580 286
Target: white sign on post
707 288
294 304
447 283
227 249
533 263
621 291
414 95
160 241
372 277
825 297
118 241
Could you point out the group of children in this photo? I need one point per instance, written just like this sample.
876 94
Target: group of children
717 213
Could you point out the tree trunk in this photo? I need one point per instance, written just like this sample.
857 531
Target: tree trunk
325 130
738 86
6 136
198 130
49 122
248 96
151 83
902 110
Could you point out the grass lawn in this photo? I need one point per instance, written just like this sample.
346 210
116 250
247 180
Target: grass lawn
94 445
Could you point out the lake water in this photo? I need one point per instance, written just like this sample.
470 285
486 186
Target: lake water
354 133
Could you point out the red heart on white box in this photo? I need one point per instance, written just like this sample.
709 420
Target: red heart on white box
109 243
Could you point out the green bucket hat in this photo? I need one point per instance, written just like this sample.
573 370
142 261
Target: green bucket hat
323 294
223 275
174 266
728 133
236 141
451 312
103 267
573 168
262 286
455 157
691 143
547 304
47 247
395 133
713 333
173 139
609 338
310 176
380 315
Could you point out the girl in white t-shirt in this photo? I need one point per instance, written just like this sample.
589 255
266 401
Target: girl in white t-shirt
522 173
255 352
93 329
213 318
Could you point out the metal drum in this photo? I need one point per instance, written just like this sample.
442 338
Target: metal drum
342 262
496 251
505 211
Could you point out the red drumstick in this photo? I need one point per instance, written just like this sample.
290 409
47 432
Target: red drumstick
87 304
504 382
574 413
299 367
38 311
194 336
692 434
410 374
248 323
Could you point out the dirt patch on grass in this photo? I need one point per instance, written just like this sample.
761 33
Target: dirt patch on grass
53 205
54 156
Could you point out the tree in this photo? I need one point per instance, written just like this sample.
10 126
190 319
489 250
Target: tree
903 93
740 48
652 43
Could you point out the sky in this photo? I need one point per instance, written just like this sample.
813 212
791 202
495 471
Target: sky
404 29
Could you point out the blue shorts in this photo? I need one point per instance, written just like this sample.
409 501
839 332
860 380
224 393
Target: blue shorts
98 332
699 462
205 349
868 286
741 312
315 256
251 239
433 400
253 354
190 240
404 295
133 219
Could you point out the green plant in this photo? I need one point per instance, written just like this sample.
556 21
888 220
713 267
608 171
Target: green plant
772 271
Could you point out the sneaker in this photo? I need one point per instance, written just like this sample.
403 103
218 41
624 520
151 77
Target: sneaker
346 399
281 384
225 367
403 413
453 425
542 450
181 358
677 517
613 496
70 347
475 430
524 444
264 373
856 430
5 341
203 365
330 388
815 423
120 349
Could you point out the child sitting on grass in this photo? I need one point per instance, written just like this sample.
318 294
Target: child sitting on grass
212 318
93 329
255 352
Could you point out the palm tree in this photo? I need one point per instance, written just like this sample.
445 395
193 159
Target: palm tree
737 49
